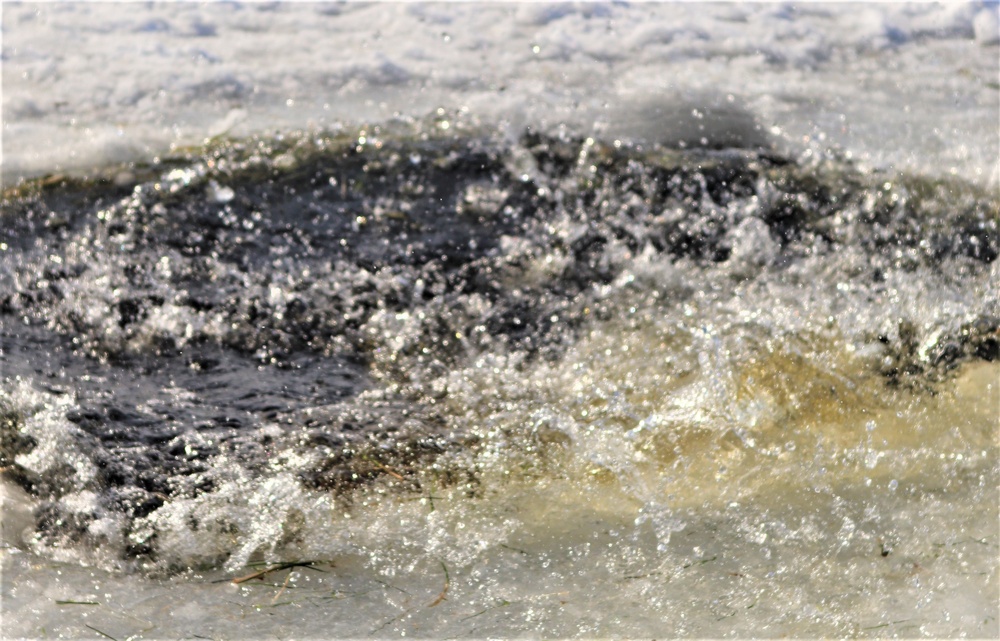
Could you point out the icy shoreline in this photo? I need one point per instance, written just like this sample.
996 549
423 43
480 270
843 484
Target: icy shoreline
901 87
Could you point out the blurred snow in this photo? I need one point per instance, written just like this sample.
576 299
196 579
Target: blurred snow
913 86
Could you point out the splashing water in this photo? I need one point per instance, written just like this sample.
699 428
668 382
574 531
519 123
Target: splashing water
471 386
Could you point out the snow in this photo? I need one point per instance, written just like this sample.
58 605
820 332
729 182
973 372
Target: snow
913 86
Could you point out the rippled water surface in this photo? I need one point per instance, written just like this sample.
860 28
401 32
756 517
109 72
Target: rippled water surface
430 381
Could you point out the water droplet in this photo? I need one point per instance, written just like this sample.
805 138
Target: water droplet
219 193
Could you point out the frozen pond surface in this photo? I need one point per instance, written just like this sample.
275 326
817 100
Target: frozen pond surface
520 320
897 85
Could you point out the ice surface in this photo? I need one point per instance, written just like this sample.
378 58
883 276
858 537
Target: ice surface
905 86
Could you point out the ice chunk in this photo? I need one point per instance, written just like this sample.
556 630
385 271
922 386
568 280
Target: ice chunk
986 26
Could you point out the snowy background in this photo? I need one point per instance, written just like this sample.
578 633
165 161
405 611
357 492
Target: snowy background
892 85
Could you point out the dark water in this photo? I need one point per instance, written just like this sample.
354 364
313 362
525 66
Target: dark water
313 294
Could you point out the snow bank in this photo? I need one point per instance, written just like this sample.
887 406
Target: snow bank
914 86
